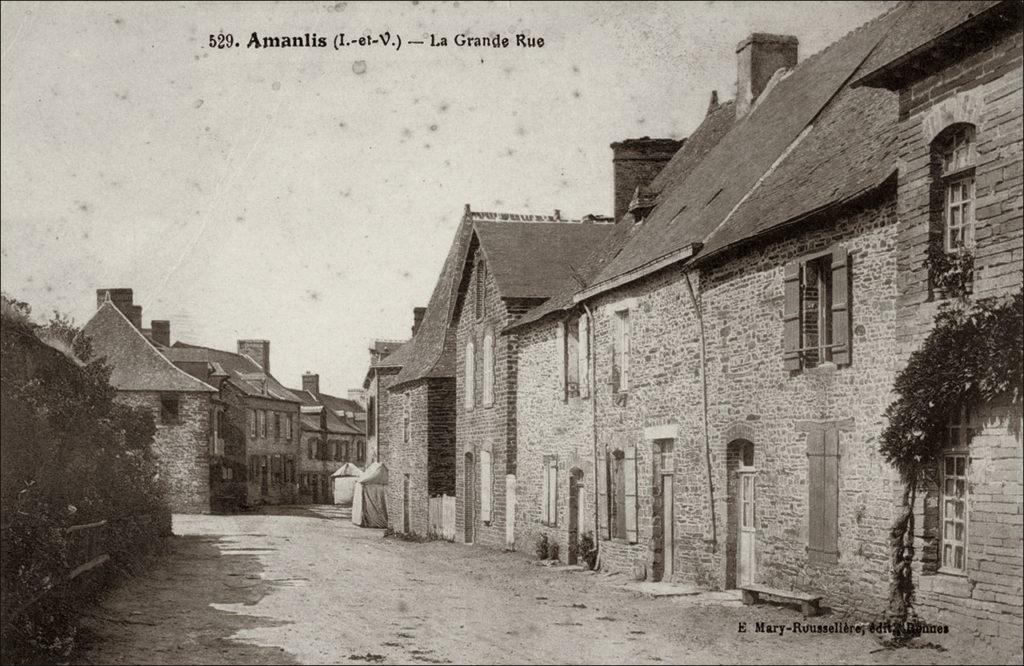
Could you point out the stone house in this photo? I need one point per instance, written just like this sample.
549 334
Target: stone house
379 377
185 409
511 264
749 314
958 75
260 424
330 436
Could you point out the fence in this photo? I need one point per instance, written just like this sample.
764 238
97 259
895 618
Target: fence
442 516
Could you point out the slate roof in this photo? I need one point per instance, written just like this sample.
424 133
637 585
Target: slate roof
692 207
533 260
242 371
431 351
920 26
717 122
388 350
310 420
136 365
335 423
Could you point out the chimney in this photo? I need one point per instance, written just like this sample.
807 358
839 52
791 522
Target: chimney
123 300
311 383
636 162
417 318
257 350
161 332
357 396
757 59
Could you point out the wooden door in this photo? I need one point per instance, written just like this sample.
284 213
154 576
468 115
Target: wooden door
469 498
746 546
668 525
574 518
405 504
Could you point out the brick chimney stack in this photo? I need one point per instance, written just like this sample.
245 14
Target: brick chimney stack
636 162
258 351
311 383
160 329
757 59
123 299
417 318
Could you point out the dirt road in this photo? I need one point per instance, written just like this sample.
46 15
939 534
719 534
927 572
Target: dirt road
306 586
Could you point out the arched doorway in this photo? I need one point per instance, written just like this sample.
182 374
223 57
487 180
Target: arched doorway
741 547
469 498
575 486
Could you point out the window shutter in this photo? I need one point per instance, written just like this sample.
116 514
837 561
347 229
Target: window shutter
792 307
560 346
629 473
823 498
470 363
544 493
553 484
584 356
485 486
602 494
842 340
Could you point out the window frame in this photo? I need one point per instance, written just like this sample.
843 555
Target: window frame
175 414
469 381
959 433
622 346
488 362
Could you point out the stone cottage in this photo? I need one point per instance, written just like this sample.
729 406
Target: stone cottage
261 420
329 438
749 315
185 409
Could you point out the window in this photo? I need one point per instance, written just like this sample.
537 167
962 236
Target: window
956 160
263 423
252 422
823 495
361 450
485 486
481 288
953 504
291 427
617 494
169 407
569 350
816 313
406 430
469 385
549 495
583 356
218 443
488 362
621 333
371 416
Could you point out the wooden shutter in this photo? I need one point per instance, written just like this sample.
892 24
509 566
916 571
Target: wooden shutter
553 485
842 340
823 496
470 363
584 356
485 486
560 345
629 475
792 308
602 494
545 490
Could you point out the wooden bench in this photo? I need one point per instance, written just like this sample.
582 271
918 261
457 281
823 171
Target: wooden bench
808 602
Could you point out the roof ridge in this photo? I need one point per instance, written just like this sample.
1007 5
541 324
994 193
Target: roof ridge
151 345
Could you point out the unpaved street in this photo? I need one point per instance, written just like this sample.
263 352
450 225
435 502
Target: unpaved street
306 586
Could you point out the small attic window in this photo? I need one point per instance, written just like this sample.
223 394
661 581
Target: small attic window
169 409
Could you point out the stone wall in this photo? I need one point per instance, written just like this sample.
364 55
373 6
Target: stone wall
182 450
237 413
550 424
409 457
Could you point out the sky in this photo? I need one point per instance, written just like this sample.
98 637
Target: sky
308 196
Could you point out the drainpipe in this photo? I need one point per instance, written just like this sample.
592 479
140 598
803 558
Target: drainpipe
592 353
707 432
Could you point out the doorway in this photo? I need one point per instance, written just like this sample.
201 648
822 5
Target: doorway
575 484
667 525
742 514
469 498
405 504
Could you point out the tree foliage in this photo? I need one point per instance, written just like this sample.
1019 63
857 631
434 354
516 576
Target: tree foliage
973 355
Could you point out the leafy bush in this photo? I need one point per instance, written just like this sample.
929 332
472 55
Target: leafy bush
588 550
553 550
69 454
541 547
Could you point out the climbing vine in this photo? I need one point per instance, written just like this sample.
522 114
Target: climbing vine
973 355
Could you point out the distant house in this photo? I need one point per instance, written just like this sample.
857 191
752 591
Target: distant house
331 435
259 461
185 409
384 367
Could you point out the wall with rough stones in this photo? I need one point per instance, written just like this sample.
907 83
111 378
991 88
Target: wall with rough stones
984 89
550 424
182 449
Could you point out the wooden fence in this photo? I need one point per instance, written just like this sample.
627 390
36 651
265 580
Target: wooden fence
442 517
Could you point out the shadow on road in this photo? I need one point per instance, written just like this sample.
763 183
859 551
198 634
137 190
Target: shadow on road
169 610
